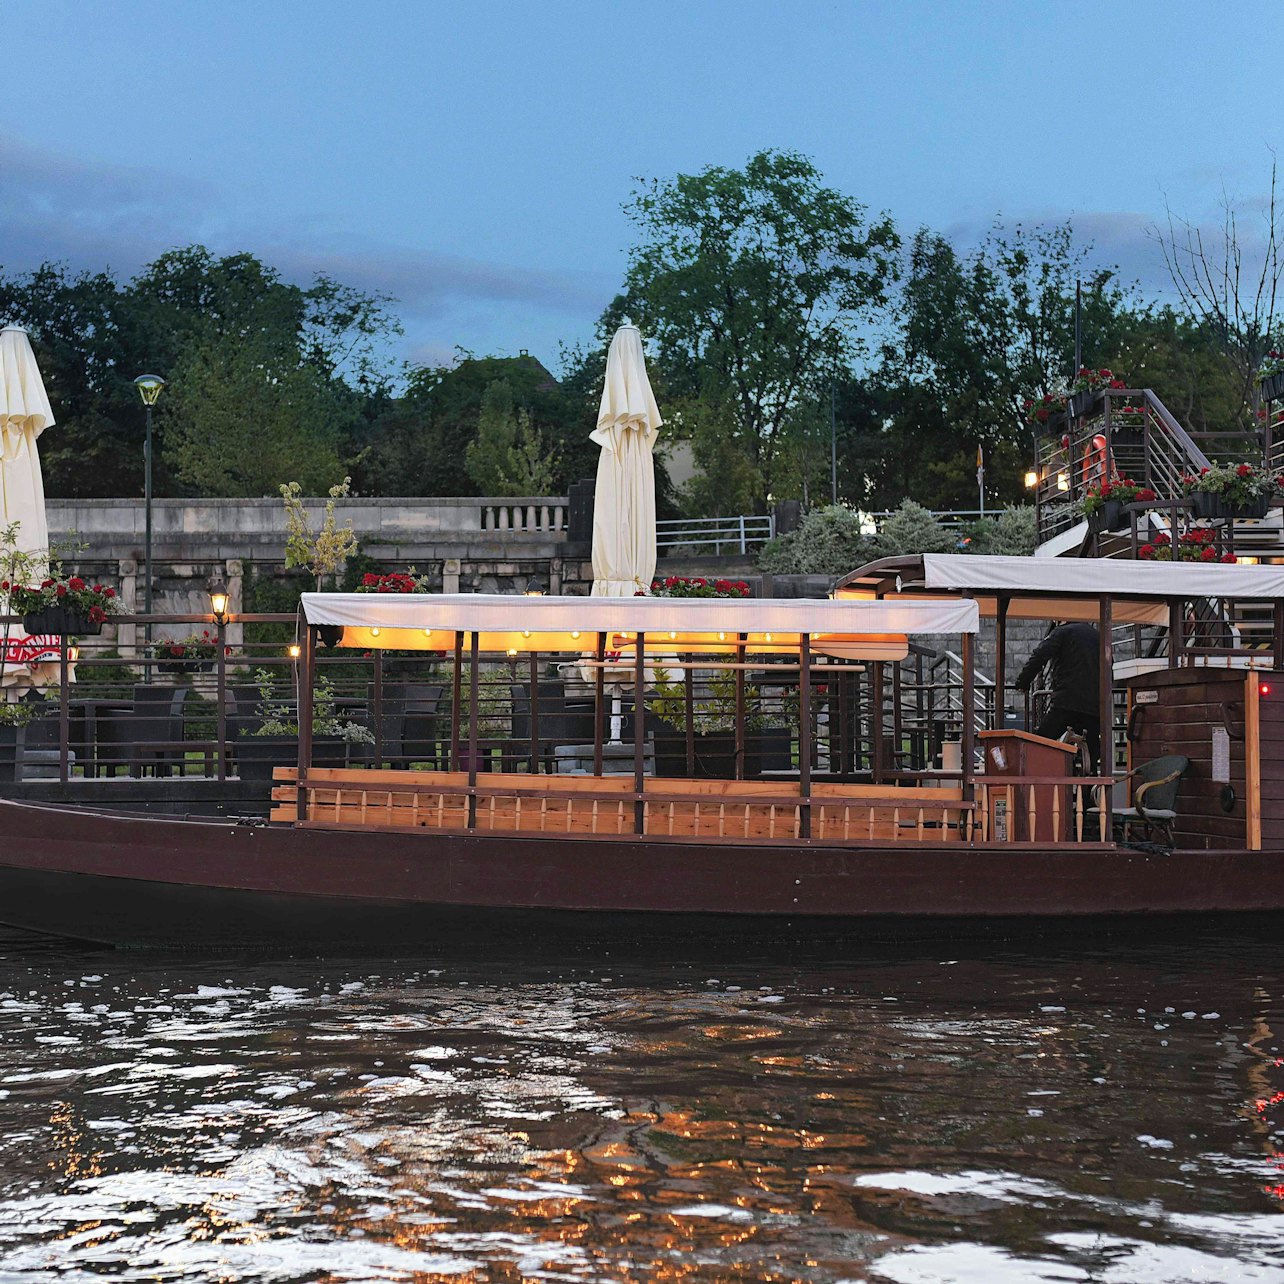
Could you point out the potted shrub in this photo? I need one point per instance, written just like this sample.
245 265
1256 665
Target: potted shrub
1103 502
1231 490
16 719
275 741
714 721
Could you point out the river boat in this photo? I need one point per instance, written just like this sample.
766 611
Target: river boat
888 813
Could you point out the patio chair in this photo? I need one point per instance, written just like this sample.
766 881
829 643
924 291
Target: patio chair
149 735
409 722
1154 798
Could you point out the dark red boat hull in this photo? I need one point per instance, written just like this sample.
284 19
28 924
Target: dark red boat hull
133 880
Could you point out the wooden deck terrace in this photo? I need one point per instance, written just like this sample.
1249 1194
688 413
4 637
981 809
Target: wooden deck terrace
763 811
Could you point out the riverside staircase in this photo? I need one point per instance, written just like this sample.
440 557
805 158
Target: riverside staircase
1130 432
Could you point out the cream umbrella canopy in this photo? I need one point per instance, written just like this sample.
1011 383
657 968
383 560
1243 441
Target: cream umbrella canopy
24 414
624 498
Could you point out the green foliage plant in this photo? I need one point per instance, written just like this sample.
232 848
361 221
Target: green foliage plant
325 721
322 553
508 455
829 541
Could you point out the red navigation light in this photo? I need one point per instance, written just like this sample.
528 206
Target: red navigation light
1264 688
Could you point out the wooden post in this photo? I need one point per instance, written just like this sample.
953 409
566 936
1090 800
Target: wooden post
1106 758
1000 661
688 689
64 711
305 681
1176 621
599 680
639 735
740 706
968 730
378 708
474 687
536 746
457 690
220 669
804 734
876 718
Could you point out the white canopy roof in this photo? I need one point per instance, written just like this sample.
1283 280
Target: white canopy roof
1063 588
496 613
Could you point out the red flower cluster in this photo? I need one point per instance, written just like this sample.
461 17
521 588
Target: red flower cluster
95 602
1039 412
681 586
1090 380
394 582
1194 546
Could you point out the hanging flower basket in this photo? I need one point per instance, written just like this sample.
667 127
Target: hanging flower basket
60 621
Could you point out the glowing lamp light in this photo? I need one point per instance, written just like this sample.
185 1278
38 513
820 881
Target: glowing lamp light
1063 482
218 603
427 633
374 633
1264 688
575 633
512 651
294 650
1031 478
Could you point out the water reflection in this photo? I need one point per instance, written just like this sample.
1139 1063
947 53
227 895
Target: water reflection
1106 1115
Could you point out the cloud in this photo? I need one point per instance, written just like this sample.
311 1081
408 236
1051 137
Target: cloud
93 216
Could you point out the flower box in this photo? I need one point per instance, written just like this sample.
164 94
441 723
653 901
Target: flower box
185 666
1109 517
715 754
1081 402
256 756
1212 506
1273 387
60 621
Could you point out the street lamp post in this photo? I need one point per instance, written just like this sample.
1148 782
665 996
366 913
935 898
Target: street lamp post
149 388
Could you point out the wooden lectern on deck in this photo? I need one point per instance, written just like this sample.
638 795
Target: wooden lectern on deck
1016 754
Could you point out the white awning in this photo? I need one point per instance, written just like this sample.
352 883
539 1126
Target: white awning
1061 588
427 621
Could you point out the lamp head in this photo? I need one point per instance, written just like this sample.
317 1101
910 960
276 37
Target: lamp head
1031 478
218 603
294 650
149 388
536 586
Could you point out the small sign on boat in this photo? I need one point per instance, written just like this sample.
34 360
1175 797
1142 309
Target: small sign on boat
1221 756
1146 697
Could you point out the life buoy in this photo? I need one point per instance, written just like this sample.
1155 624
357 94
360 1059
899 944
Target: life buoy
1094 462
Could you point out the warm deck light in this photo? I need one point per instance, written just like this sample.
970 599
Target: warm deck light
295 650
536 587
512 651
575 633
374 633
722 637
1031 478
427 633
767 637
218 604
526 633
1063 482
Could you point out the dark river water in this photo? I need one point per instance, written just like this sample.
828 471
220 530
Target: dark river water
1107 1112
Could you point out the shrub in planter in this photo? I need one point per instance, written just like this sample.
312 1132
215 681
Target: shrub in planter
69 606
1103 502
193 654
1232 490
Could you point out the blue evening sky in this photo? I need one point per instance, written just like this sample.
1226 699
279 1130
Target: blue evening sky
471 159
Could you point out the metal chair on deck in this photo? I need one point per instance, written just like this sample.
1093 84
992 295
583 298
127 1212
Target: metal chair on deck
1154 797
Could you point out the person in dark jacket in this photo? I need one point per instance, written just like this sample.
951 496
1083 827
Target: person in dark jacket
1074 653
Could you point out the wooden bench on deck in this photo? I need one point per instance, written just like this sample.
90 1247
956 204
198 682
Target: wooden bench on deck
604 806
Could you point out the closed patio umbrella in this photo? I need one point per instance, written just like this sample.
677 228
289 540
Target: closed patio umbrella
624 499
24 414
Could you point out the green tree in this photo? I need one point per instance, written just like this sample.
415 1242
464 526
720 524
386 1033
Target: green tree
754 284
507 456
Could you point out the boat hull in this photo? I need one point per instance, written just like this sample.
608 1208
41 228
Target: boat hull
130 880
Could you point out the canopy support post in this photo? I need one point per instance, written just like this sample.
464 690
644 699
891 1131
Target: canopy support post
804 735
599 681
740 706
1175 628
1279 634
305 719
639 736
378 708
457 695
537 746
474 689
1000 661
967 731
688 685
1106 754
876 719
